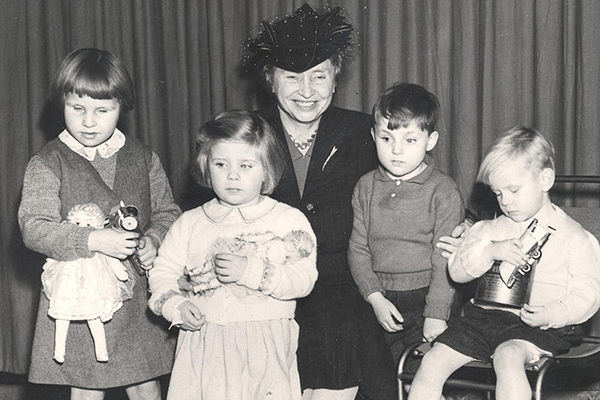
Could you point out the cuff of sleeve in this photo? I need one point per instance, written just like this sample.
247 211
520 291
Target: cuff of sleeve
367 288
558 315
253 274
156 238
80 241
170 311
437 312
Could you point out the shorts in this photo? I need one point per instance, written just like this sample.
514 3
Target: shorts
480 331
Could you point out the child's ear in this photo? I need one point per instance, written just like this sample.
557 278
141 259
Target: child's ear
547 179
433 139
373 134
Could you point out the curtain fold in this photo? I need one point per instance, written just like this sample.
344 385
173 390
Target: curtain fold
493 64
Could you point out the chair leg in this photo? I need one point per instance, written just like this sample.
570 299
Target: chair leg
539 382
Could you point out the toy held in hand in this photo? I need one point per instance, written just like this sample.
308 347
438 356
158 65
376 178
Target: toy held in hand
269 247
125 218
508 285
90 289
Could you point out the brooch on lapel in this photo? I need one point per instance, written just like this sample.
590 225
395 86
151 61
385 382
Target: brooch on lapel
333 151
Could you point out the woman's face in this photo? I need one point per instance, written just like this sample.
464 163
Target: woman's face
305 96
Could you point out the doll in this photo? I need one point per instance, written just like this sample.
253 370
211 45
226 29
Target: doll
90 289
267 246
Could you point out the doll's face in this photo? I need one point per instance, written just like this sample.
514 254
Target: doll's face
83 218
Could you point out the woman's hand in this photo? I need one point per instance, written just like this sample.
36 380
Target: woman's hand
387 314
449 244
433 327
191 316
118 244
230 267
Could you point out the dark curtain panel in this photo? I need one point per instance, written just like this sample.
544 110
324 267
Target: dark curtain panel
492 63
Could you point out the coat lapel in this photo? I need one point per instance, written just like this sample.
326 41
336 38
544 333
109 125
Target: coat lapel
328 147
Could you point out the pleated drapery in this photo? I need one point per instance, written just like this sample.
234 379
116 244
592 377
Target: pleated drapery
492 63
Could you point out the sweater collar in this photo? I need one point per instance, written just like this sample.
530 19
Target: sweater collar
106 149
217 212
382 176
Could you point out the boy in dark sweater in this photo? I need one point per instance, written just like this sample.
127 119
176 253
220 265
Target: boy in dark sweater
401 210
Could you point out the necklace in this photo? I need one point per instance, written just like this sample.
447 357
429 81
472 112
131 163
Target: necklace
302 146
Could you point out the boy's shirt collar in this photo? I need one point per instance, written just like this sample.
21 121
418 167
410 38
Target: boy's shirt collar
545 215
217 212
382 176
106 149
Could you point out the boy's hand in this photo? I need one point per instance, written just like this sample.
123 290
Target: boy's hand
230 267
433 327
191 316
449 244
118 244
505 250
147 251
535 316
387 314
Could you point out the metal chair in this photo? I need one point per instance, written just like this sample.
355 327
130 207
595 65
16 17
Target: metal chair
480 376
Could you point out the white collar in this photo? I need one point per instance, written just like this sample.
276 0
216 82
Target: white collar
217 212
106 149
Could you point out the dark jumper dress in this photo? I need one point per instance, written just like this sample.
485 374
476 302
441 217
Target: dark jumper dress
140 347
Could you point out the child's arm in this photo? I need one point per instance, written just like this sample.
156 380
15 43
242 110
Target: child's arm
40 218
359 254
168 268
291 280
448 213
164 212
478 252
583 296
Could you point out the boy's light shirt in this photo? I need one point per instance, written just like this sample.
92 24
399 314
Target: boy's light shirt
106 149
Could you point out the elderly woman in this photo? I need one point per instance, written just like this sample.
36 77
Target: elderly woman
341 345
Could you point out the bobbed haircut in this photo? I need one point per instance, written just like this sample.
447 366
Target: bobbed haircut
519 143
95 73
240 126
404 103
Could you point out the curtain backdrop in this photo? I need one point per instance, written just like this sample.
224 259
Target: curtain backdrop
492 63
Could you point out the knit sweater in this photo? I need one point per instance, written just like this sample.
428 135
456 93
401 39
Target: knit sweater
265 291
566 279
42 210
396 226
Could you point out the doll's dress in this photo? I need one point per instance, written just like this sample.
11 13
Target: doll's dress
83 289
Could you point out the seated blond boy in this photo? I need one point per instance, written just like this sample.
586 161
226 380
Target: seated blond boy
565 287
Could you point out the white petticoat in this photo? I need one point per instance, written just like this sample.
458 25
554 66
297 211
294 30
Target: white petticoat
82 289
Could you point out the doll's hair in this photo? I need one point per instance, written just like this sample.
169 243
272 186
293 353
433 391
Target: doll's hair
404 103
240 126
86 210
96 73
519 143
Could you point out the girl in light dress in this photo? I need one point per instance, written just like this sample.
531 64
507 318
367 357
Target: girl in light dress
90 289
253 256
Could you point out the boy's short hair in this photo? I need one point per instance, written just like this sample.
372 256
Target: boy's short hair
518 143
95 73
404 103
242 126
